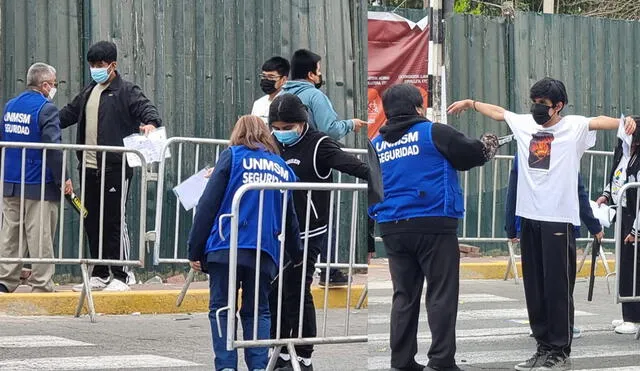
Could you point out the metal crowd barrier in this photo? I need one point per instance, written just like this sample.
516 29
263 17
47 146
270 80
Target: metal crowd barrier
491 181
231 307
634 296
80 259
179 220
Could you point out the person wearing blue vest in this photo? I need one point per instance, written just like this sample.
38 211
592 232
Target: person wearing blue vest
252 157
31 117
418 220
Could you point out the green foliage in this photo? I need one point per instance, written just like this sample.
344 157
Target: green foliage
467 6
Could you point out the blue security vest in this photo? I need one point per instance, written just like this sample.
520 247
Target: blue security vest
20 123
418 180
253 166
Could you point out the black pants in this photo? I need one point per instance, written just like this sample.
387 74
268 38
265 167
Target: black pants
549 276
291 281
412 257
630 311
111 234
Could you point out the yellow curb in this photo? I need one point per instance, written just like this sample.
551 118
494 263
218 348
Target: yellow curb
496 270
144 302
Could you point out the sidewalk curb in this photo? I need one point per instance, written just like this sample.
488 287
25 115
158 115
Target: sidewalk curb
143 302
496 270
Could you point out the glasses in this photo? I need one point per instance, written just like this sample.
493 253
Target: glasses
269 77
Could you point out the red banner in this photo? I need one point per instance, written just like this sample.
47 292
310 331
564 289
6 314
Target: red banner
398 50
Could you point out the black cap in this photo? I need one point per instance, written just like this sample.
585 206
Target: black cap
287 108
401 100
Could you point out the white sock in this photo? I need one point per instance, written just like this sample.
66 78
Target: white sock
305 361
285 356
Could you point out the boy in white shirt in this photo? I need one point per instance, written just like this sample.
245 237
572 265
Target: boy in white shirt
275 72
549 150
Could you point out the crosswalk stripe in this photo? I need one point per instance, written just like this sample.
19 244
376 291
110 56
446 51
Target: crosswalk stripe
93 362
38 341
465 299
629 368
487 357
466 315
480 334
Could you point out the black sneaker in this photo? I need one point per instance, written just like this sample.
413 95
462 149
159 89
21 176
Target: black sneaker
556 362
3 289
303 367
336 278
435 368
415 366
281 363
535 361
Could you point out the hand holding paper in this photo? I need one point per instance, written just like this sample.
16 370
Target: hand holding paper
603 213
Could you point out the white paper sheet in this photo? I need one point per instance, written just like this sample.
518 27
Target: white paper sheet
190 190
626 139
150 145
603 213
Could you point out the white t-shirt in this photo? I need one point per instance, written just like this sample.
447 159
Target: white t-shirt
261 108
548 166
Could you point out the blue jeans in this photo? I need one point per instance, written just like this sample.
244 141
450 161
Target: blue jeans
256 358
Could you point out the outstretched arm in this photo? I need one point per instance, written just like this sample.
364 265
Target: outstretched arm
492 111
610 123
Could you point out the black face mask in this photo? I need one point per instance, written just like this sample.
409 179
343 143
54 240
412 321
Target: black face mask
540 113
268 86
319 84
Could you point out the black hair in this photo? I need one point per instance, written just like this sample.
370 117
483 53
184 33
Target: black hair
635 137
551 89
287 108
102 51
302 62
277 64
401 100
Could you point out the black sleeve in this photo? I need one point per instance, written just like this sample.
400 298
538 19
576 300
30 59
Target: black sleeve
69 114
208 207
461 151
142 109
510 208
50 133
586 214
371 239
292 244
330 156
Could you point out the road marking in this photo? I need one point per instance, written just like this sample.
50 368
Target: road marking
467 315
37 341
465 299
487 357
93 362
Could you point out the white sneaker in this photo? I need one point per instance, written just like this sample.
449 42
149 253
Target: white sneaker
616 322
95 283
628 328
131 278
117 285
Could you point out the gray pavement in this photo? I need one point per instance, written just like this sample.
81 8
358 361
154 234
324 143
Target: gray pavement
493 332
149 342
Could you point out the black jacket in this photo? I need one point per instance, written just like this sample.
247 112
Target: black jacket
633 174
123 108
312 158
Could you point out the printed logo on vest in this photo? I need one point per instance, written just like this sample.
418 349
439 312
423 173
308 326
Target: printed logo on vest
388 152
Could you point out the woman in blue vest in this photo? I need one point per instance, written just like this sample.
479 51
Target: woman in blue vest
418 220
251 158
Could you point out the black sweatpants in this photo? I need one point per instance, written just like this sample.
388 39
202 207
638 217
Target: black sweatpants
630 311
113 188
412 257
549 276
291 281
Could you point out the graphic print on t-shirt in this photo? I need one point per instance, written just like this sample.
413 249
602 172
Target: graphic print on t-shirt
540 151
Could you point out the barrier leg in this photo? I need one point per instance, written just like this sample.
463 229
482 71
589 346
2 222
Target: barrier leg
363 296
511 264
185 287
294 357
506 272
638 334
87 293
609 288
603 257
274 358
583 258
83 295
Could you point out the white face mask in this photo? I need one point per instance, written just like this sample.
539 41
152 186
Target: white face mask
52 93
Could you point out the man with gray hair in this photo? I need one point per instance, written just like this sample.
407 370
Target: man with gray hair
31 117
